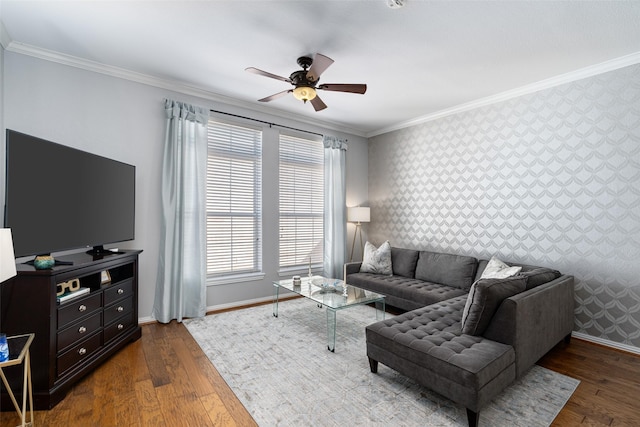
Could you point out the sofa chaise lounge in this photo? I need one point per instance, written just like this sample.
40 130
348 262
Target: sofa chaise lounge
467 343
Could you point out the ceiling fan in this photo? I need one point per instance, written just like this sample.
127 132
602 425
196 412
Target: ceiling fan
305 81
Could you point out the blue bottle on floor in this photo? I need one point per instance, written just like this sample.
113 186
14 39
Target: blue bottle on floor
4 348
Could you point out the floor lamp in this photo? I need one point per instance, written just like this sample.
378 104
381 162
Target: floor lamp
358 215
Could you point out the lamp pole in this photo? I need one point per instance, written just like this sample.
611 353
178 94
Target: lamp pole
353 244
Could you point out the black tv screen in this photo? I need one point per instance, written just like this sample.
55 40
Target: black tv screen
59 198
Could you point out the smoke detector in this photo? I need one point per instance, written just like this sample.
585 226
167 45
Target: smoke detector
395 4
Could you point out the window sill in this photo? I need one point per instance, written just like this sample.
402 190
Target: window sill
239 278
288 272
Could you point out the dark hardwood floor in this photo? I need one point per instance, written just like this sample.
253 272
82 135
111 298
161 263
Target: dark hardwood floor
609 389
164 379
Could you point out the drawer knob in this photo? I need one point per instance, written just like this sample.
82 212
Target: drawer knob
120 308
120 326
120 291
82 329
82 351
82 307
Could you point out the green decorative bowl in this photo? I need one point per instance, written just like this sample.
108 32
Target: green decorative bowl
43 262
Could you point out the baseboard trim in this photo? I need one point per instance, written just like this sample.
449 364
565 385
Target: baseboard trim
146 320
607 343
238 304
225 307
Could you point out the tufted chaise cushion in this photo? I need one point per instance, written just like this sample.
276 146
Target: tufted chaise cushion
404 292
430 338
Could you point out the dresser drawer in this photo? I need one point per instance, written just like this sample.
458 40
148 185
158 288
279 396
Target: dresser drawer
118 291
120 325
73 310
116 310
78 353
79 331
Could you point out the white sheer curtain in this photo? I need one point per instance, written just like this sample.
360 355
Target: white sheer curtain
335 211
180 287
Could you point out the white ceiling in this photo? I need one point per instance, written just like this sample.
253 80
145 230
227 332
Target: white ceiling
424 58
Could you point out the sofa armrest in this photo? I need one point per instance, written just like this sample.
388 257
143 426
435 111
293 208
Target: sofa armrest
534 321
351 267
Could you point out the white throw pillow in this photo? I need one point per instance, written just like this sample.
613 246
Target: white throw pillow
377 260
497 269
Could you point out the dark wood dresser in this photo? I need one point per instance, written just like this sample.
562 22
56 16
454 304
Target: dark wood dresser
73 337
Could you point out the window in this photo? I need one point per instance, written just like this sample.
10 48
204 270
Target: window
234 199
301 202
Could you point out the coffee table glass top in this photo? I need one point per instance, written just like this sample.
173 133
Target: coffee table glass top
335 299
332 294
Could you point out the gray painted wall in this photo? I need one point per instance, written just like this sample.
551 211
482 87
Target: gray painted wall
124 120
551 178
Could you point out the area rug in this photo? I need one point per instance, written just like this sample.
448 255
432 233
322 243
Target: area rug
282 372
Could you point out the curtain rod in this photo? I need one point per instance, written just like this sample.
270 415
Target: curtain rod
267 123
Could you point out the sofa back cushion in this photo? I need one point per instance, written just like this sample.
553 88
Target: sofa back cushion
446 269
482 264
404 262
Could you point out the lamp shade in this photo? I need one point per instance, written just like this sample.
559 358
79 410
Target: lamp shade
358 214
7 258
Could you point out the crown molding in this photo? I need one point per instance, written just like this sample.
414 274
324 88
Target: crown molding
180 87
572 76
172 85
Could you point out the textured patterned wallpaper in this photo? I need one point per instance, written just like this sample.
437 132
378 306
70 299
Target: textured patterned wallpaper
551 178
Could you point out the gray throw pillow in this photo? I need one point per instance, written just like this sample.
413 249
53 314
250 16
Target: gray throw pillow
377 260
538 276
485 296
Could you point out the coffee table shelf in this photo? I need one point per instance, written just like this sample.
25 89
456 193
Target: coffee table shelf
347 296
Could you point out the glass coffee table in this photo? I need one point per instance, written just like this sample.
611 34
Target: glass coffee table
333 295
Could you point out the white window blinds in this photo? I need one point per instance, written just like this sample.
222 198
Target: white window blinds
301 201
234 199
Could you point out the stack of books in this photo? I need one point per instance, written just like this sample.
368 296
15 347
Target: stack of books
71 295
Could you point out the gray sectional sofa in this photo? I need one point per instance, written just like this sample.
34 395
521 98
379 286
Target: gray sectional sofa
508 323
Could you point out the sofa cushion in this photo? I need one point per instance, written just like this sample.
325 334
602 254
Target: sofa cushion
485 296
404 261
496 269
448 269
430 338
377 260
404 292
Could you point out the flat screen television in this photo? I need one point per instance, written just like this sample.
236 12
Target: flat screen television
59 198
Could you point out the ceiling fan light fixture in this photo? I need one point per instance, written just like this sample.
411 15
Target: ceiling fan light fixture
304 93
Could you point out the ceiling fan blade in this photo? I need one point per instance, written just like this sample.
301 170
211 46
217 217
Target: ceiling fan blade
342 87
275 96
266 74
318 66
318 104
